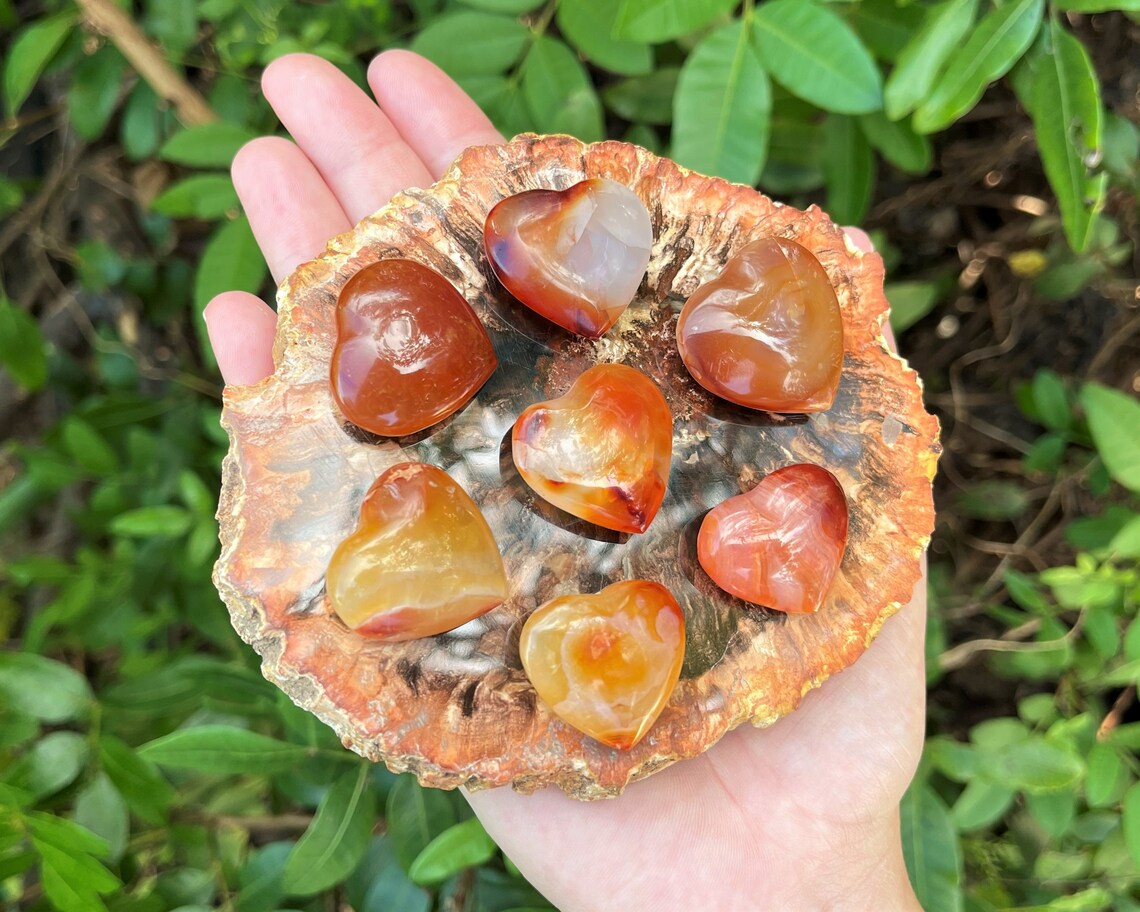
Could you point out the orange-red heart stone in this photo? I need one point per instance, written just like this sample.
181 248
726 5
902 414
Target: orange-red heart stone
576 256
767 333
409 350
421 561
607 663
781 543
602 451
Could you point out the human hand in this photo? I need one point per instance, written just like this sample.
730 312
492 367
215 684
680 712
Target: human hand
800 816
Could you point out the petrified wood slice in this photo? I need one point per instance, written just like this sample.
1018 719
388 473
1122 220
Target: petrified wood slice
457 709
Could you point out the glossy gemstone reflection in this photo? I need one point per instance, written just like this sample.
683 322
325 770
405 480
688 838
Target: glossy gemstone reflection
781 543
409 351
575 256
421 561
601 452
607 663
767 333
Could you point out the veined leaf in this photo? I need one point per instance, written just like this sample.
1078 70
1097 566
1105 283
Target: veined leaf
337 838
415 817
722 108
849 169
930 848
472 43
100 808
589 24
814 54
920 61
43 688
1066 114
204 196
232 260
645 99
223 749
1114 421
662 20
211 145
28 55
994 47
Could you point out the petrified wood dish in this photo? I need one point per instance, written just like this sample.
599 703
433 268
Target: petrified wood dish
457 709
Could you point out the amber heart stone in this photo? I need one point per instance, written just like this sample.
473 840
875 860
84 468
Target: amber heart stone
767 332
409 349
421 561
575 256
602 451
607 663
780 544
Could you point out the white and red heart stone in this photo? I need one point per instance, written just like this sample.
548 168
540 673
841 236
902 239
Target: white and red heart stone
781 543
575 256
606 664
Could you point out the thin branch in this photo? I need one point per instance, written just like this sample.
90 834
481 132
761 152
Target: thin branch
104 16
963 653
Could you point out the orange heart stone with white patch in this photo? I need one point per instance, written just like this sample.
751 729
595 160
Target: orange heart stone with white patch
601 452
575 256
607 663
421 561
781 543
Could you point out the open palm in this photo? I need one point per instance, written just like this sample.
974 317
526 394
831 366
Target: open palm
801 816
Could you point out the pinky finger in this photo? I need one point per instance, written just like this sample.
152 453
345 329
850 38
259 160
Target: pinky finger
241 328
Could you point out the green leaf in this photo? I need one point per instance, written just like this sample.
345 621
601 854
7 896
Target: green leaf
849 169
137 779
1126 542
1114 422
1051 399
662 20
94 93
722 108
204 196
22 348
813 54
12 196
260 878
222 750
588 25
140 129
472 44
1035 765
1054 811
1130 821
992 49
1097 6
885 26
504 6
379 883
462 846
211 145
981 804
29 54
53 763
910 302
232 261
559 93
1104 772
100 808
1066 113
73 882
415 816
930 848
87 446
921 60
337 838
645 99
897 142
65 835
46 689
152 522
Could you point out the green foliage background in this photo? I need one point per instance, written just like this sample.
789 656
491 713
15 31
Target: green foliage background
145 764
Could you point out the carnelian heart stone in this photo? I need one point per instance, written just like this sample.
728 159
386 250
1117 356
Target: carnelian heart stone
780 544
576 256
606 663
602 451
409 349
767 332
421 561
